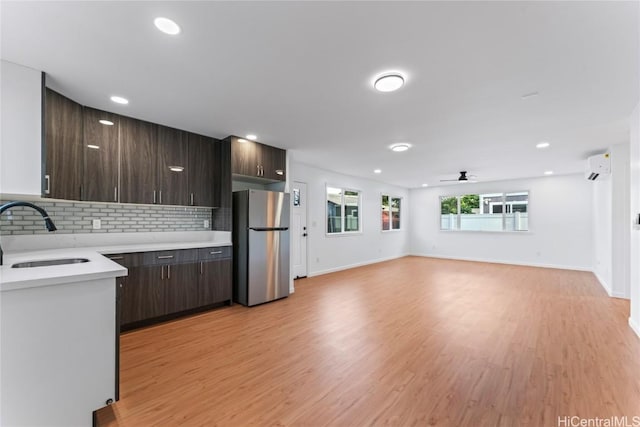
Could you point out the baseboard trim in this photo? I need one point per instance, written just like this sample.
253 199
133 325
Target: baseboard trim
604 284
495 261
621 295
349 266
634 326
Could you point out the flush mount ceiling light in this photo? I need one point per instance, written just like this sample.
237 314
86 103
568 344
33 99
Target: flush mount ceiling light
252 137
400 147
167 26
543 144
389 81
548 172
377 171
95 147
176 168
425 185
106 122
119 100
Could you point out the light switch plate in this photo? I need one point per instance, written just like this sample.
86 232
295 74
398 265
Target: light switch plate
97 224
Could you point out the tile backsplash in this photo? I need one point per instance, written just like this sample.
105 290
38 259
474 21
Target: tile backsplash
77 217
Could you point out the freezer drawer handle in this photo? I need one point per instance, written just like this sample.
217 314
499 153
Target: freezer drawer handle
269 228
115 257
165 257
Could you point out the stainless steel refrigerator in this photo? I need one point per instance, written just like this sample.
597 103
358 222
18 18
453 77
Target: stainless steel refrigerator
260 246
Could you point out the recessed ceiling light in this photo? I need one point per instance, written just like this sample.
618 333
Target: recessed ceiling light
543 144
119 100
377 171
389 81
252 137
242 140
106 122
548 172
425 185
95 147
167 26
400 147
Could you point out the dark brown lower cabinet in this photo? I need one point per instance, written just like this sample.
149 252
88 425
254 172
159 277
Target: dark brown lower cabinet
168 282
143 294
215 284
182 287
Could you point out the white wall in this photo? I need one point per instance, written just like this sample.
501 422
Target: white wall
611 224
560 224
634 193
333 253
601 209
20 121
620 220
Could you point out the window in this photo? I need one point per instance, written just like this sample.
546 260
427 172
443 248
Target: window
485 212
343 208
391 213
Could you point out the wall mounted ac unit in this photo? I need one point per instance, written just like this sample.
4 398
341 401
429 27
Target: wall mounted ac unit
598 166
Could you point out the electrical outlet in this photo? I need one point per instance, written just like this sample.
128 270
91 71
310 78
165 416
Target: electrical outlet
97 224
206 223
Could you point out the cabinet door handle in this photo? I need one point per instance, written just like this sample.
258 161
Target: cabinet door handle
115 194
162 273
47 188
215 252
261 170
165 256
160 196
191 199
258 167
201 267
113 258
154 196
168 272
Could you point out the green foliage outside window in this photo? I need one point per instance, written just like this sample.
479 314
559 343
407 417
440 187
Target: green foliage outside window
449 205
469 202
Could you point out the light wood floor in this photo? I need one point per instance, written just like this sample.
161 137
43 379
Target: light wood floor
415 341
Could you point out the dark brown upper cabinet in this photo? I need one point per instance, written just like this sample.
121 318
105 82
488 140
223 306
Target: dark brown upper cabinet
222 218
100 147
173 167
251 159
94 155
274 163
138 159
203 168
63 146
245 158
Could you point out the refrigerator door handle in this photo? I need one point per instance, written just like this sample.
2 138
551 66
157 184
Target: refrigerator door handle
269 228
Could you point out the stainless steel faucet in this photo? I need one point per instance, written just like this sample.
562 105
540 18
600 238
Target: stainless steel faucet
47 221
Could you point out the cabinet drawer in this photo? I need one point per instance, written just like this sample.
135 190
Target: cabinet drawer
127 260
171 257
220 252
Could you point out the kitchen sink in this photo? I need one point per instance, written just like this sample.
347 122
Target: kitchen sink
49 262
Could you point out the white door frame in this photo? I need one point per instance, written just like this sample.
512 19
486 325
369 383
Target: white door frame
299 235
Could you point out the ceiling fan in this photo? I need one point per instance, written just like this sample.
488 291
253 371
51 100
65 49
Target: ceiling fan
462 178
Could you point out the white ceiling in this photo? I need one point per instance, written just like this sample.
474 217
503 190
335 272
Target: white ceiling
298 74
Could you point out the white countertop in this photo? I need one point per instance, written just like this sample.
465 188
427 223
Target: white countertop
98 267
